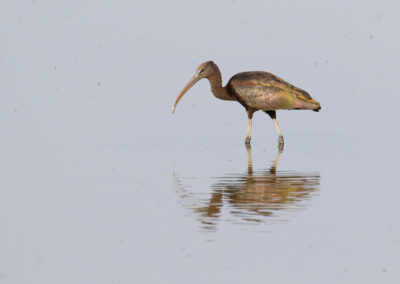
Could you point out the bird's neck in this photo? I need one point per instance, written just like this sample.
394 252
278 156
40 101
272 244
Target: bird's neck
217 89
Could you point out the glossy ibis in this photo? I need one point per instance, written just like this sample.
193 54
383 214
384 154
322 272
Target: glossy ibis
256 90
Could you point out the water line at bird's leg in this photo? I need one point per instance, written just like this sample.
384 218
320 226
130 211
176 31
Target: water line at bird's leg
249 160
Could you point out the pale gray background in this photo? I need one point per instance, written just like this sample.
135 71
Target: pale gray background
90 154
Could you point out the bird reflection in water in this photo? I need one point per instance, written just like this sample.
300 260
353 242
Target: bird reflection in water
250 198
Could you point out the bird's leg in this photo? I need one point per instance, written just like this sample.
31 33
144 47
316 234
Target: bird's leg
272 114
249 123
249 161
248 137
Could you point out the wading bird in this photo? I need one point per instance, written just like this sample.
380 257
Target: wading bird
256 90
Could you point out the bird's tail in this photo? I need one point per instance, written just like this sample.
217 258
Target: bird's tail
308 103
317 107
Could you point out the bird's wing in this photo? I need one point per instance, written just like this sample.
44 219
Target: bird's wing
263 90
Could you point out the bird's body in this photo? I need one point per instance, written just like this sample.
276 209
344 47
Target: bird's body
256 90
265 91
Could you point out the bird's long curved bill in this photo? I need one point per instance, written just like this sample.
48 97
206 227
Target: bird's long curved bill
192 81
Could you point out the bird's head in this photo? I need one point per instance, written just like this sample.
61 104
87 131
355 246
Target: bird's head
205 70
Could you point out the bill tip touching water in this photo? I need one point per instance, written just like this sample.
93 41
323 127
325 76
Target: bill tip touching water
255 90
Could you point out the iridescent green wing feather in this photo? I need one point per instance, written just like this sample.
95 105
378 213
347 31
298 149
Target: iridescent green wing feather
287 87
263 90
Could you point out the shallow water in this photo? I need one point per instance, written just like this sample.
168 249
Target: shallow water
101 184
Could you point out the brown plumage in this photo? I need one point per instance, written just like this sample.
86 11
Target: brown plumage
256 90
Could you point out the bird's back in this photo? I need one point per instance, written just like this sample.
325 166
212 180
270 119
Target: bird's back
266 91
